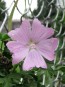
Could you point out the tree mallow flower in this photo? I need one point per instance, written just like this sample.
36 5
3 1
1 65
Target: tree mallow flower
32 43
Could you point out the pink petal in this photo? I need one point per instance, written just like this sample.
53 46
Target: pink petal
40 32
34 59
48 44
47 48
37 30
26 25
15 46
48 33
19 56
21 34
48 55
14 34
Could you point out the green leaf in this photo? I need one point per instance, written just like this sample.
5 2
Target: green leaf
8 83
62 68
0 36
5 37
18 69
1 80
11 16
63 79
1 74
1 45
48 79
15 77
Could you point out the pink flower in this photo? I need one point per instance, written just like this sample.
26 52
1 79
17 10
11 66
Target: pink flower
32 44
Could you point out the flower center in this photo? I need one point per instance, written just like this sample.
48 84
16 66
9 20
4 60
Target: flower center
32 45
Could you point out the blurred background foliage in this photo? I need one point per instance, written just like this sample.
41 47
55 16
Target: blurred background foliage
50 15
2 7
